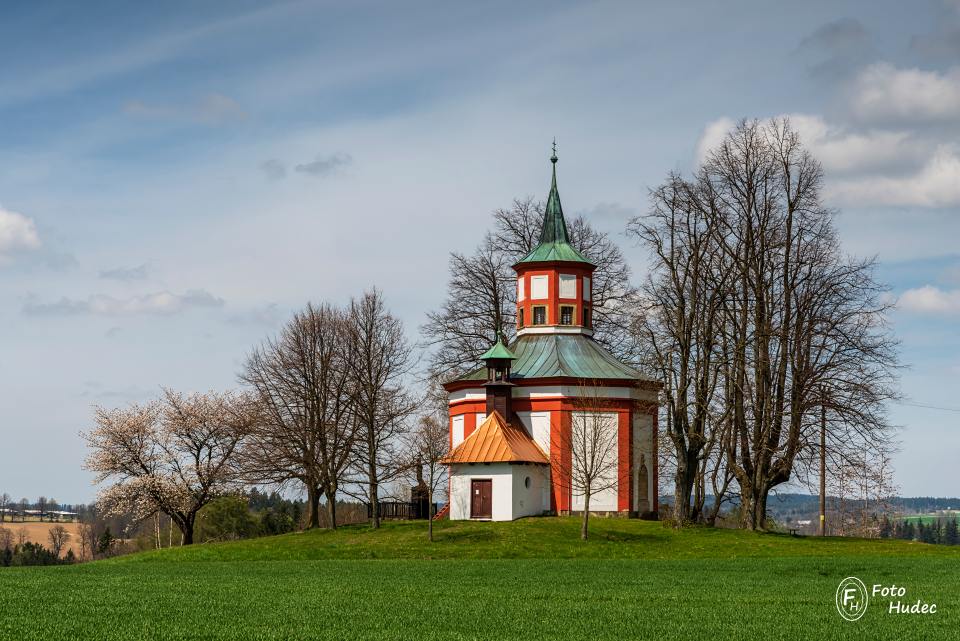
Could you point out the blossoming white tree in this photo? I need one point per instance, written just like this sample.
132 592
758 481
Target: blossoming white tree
173 455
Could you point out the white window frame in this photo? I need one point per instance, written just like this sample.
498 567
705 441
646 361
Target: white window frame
540 430
568 286
457 428
521 294
540 285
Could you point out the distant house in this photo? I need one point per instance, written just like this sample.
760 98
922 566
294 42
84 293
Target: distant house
510 420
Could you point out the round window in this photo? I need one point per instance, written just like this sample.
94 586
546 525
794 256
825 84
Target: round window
526 482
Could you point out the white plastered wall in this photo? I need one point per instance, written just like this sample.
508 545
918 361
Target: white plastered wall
537 425
510 496
502 489
603 500
535 499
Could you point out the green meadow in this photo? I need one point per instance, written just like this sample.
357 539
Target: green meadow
532 579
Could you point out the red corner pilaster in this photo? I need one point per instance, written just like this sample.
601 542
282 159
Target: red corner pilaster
625 456
561 460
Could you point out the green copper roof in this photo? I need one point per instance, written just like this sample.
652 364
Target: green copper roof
566 355
498 351
554 239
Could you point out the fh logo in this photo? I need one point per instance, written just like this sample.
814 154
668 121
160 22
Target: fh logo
852 598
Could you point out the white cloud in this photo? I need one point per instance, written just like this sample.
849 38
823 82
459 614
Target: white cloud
842 150
936 184
837 148
17 232
930 300
161 303
712 136
886 93
873 167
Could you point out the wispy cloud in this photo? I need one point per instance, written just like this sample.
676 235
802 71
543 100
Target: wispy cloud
269 315
125 273
325 165
211 109
838 47
273 169
158 303
141 52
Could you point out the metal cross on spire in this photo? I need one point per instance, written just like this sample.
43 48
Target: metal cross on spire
553 158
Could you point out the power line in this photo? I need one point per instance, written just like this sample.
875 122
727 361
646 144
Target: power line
930 407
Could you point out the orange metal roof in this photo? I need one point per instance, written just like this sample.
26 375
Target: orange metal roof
496 441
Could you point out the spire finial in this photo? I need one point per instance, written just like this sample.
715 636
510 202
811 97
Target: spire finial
553 158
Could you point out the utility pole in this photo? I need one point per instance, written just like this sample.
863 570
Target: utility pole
823 468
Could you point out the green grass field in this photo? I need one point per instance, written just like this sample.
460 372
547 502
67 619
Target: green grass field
928 519
526 580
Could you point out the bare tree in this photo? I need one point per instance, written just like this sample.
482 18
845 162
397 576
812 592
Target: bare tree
682 327
800 324
306 426
174 455
24 505
57 535
381 360
6 539
4 506
592 441
88 540
22 535
429 444
478 305
41 506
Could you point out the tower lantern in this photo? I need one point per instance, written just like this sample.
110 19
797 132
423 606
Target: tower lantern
498 386
554 280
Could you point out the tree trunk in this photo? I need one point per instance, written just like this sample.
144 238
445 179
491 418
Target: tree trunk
374 498
683 486
187 532
332 509
430 511
584 525
313 507
754 508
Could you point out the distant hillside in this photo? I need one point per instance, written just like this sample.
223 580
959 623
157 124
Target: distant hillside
788 506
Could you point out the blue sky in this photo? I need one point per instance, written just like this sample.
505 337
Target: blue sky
178 177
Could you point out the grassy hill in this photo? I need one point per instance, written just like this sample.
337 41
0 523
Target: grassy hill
526 580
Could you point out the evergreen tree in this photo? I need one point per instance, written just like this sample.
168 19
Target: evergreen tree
950 534
886 528
908 531
105 542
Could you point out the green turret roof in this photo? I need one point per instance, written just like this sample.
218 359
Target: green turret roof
498 351
554 239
